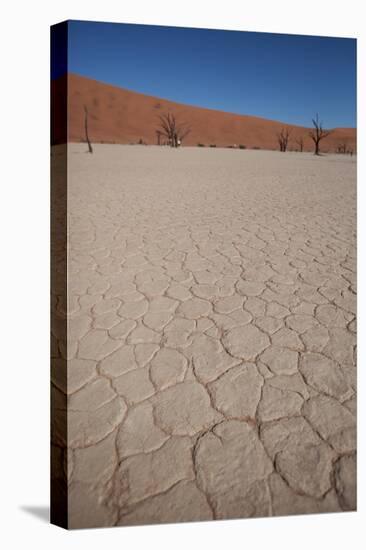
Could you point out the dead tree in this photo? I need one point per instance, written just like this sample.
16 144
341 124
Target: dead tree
300 143
158 136
174 132
318 134
342 148
90 148
283 138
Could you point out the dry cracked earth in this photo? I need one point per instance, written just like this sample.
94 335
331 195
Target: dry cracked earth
211 335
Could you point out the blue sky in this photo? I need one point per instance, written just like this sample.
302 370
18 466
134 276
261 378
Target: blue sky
281 77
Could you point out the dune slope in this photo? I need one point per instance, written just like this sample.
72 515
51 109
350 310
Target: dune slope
117 115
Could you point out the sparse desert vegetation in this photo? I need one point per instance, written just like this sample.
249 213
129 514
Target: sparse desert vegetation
141 114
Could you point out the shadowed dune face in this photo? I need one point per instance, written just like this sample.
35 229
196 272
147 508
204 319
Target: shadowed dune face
117 115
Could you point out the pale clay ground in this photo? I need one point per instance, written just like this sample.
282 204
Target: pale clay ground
212 302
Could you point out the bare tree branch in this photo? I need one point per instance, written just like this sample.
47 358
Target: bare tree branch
183 132
342 148
174 132
282 138
318 133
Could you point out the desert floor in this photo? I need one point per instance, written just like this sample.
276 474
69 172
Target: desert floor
212 303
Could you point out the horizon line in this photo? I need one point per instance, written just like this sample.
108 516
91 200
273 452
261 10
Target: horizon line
195 106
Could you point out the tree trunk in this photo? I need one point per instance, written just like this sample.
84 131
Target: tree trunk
90 148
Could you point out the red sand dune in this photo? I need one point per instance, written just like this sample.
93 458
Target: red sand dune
117 115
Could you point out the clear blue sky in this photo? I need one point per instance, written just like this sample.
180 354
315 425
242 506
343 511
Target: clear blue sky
276 76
